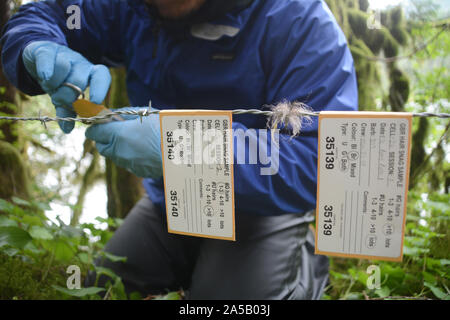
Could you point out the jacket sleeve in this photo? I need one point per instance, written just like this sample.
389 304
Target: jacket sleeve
97 38
306 59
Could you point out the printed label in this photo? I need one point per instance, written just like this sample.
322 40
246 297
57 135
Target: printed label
197 156
363 170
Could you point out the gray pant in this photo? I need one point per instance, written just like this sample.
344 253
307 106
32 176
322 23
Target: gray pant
272 258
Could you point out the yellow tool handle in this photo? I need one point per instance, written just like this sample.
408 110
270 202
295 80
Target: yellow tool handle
87 109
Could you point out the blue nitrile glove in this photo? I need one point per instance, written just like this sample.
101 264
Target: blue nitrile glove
131 144
51 64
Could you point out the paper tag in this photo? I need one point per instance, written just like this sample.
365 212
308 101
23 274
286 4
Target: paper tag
197 152
363 170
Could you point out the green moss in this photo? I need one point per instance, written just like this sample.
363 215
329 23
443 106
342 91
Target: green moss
352 4
364 5
118 94
358 22
418 152
23 280
124 188
340 13
399 90
395 22
13 174
375 39
400 35
437 176
396 16
367 75
390 46
352 16
384 16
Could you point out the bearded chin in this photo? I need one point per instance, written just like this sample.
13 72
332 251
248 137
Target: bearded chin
175 9
206 11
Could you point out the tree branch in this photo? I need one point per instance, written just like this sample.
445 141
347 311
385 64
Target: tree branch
415 51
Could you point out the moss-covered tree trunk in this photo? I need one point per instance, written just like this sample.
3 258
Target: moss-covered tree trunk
13 173
88 179
368 42
124 188
8 129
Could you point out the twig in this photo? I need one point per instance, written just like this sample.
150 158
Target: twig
366 297
107 293
416 50
39 145
49 264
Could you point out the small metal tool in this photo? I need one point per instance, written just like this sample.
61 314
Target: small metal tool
87 109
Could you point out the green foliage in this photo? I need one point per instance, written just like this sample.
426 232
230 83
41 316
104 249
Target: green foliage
375 39
35 254
14 237
424 272
79 293
430 78
170 296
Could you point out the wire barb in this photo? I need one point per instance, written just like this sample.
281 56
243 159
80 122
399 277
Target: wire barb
43 119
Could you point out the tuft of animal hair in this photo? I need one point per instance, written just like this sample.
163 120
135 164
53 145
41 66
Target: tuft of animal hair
291 115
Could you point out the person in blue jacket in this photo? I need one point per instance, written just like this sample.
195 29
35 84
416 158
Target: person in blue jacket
198 54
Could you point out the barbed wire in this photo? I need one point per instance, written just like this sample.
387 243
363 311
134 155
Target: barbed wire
292 112
147 112
144 112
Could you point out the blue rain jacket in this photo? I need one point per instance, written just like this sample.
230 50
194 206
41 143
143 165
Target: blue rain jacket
284 50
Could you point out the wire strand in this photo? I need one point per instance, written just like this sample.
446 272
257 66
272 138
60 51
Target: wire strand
145 112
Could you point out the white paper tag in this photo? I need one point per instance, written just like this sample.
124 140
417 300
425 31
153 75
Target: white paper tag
363 171
197 156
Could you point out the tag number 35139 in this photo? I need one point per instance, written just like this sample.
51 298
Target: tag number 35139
328 222
330 153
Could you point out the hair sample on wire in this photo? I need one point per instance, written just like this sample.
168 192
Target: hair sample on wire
292 116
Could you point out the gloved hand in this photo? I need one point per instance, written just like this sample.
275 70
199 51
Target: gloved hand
51 64
131 144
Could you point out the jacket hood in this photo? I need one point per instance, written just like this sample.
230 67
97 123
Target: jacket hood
209 11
